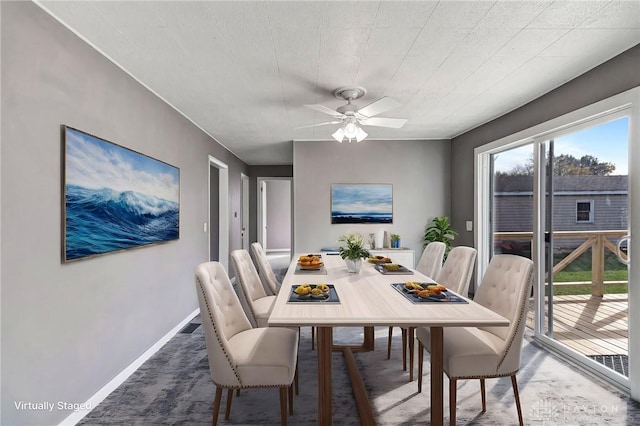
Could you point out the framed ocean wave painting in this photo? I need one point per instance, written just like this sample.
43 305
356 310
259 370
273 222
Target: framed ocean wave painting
361 203
115 198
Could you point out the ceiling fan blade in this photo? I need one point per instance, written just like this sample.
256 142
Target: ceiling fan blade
325 110
395 123
318 124
381 105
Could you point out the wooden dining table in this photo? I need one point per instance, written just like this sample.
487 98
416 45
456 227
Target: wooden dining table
368 299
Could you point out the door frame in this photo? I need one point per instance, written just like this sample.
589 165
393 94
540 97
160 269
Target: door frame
626 103
223 197
244 211
262 209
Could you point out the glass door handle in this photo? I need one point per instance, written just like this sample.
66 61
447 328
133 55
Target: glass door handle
619 253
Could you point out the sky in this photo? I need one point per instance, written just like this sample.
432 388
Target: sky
96 164
361 198
607 142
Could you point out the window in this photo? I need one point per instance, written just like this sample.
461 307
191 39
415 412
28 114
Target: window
584 211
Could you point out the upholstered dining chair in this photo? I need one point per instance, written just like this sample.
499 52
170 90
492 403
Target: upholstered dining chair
430 265
258 304
241 356
457 270
268 278
431 260
455 275
488 352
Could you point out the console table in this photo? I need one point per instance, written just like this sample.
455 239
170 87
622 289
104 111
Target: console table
403 256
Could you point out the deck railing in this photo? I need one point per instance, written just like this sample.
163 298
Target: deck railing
597 241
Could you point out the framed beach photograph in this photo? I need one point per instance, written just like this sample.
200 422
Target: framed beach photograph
114 198
361 203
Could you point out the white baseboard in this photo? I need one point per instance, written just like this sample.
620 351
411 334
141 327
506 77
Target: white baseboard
99 396
281 250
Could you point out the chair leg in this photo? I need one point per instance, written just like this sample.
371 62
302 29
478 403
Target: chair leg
313 338
514 383
290 391
283 405
389 342
238 392
420 361
227 411
216 406
484 396
404 349
453 392
412 331
296 381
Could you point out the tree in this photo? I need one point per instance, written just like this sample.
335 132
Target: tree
565 164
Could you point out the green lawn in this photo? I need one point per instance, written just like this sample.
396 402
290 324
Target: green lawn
573 276
586 289
580 271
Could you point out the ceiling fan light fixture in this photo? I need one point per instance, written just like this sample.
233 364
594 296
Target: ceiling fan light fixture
353 118
360 134
350 130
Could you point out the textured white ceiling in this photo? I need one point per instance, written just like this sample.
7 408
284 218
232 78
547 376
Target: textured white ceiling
242 70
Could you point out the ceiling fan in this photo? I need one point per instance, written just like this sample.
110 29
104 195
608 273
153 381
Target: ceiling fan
352 117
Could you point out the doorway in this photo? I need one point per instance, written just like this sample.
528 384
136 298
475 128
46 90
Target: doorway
561 194
274 214
586 215
244 211
219 211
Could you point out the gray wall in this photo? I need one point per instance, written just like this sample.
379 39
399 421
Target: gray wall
68 329
418 171
615 76
278 214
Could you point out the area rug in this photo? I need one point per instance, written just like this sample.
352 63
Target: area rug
174 388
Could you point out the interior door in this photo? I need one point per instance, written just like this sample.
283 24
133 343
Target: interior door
244 211
263 208
214 216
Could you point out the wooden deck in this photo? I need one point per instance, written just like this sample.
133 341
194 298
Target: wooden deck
591 325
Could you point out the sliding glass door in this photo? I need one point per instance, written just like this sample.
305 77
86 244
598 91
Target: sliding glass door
586 215
561 195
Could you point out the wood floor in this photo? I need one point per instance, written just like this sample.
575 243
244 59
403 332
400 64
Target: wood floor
591 325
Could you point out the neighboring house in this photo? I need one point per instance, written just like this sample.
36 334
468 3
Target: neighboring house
581 203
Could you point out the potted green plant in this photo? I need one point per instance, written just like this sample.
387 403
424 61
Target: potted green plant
353 251
395 241
440 230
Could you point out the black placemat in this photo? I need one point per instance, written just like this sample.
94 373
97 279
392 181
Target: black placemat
402 271
320 271
451 296
294 298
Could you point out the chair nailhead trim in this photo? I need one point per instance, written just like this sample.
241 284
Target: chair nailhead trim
217 333
252 386
522 306
493 376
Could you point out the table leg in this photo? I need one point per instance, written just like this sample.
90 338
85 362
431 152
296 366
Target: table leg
369 339
368 343
325 343
412 337
437 363
359 390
